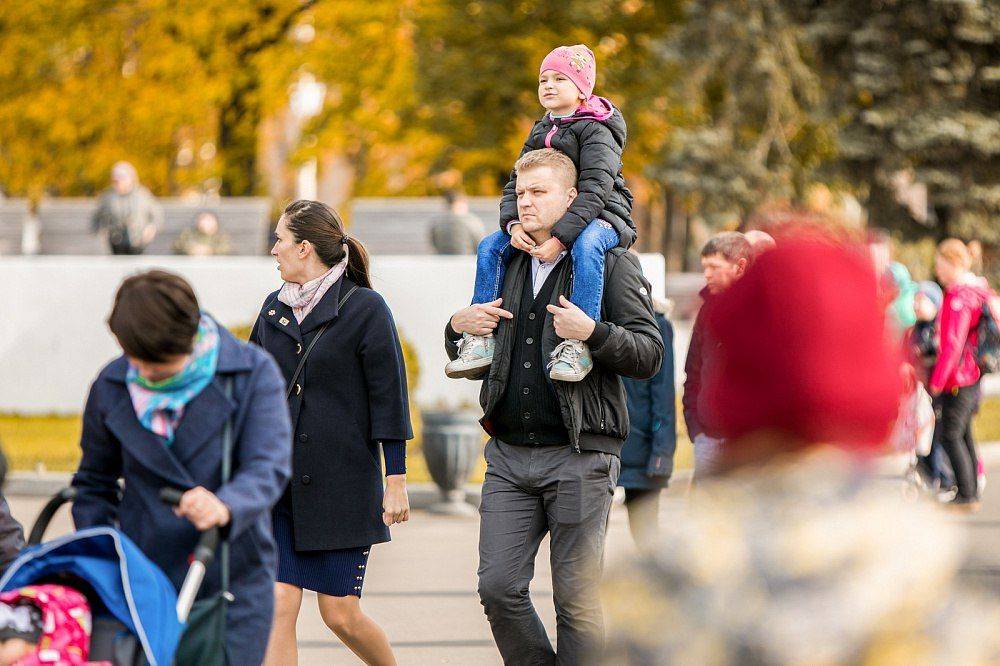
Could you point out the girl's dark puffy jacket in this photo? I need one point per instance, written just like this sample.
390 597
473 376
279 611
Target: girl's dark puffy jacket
594 140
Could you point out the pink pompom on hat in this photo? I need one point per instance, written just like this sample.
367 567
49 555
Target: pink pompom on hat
577 62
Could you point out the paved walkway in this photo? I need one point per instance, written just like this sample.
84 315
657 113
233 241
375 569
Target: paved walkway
421 587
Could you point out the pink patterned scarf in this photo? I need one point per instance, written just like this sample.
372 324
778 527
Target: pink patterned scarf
302 298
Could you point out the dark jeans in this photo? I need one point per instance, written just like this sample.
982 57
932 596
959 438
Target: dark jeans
587 254
957 409
530 492
936 461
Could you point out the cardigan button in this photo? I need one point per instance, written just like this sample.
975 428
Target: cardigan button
303 438
306 479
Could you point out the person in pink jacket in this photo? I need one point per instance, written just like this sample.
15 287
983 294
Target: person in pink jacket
955 377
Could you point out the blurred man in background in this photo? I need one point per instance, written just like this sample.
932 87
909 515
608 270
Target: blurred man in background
723 259
458 231
127 212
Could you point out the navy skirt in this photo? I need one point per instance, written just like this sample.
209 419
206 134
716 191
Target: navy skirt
336 573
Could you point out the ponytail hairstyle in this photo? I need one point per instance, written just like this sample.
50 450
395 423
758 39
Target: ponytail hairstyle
319 224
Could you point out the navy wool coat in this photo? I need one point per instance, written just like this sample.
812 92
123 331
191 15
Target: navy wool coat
350 396
648 455
116 446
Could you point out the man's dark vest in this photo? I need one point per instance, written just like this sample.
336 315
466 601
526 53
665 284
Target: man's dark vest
528 413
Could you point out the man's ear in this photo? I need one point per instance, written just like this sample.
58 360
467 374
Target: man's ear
571 194
741 266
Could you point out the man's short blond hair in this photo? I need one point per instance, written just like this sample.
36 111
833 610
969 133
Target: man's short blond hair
558 161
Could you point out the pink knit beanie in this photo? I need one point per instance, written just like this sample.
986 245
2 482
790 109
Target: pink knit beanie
577 63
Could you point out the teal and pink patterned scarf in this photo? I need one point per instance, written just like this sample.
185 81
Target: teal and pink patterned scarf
160 405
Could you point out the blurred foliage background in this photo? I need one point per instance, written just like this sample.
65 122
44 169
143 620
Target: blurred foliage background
736 108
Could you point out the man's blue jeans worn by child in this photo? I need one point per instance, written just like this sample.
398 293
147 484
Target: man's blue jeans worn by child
571 359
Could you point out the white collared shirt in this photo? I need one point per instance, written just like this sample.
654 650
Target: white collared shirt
540 272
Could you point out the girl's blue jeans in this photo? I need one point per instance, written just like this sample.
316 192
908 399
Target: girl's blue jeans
587 255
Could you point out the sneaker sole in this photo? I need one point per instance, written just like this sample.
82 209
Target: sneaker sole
561 377
473 371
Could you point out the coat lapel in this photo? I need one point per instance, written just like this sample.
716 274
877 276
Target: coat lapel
328 307
202 423
280 316
148 448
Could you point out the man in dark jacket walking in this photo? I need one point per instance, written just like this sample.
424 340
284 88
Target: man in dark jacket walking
553 459
723 259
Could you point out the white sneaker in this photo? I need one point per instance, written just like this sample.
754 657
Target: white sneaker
570 362
475 355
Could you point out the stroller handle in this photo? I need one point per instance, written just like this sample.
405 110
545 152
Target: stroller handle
65 495
204 553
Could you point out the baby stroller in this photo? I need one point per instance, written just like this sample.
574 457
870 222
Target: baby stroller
138 618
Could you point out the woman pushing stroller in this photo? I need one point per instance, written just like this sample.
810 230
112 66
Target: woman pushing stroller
156 417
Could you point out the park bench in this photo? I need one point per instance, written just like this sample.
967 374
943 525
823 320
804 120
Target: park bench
65 224
13 213
402 225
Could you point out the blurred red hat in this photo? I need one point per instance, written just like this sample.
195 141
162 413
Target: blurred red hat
804 350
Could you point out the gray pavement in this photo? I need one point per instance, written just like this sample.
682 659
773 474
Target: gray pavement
421 587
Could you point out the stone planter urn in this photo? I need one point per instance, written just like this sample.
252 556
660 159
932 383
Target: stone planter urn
452 446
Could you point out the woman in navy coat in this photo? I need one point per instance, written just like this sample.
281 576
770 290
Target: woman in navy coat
155 418
648 454
349 408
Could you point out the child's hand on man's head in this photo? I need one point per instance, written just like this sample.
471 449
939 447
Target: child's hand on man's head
548 251
520 239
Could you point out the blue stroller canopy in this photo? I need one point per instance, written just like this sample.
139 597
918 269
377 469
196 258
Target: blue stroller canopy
133 589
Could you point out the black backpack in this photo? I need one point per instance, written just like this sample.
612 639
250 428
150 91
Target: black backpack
988 342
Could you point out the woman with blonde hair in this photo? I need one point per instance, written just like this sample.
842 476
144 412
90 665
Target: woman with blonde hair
956 374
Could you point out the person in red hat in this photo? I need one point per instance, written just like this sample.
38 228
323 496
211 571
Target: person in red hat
804 357
792 552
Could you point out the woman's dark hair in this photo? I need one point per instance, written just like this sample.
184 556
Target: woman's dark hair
155 316
320 225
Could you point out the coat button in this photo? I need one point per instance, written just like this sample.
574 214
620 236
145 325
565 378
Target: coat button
303 438
529 341
527 365
298 348
527 416
306 479
531 315
531 436
298 389
526 390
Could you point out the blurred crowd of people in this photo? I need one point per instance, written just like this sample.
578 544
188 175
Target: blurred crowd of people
790 549
948 330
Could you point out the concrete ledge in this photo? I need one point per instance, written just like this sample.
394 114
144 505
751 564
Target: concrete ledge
47 484
422 495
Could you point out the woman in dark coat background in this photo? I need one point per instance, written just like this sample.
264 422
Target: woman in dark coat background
348 407
648 455
155 417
